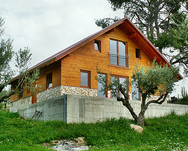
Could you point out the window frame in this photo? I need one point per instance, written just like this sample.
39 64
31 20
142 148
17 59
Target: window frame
138 50
139 95
98 42
89 78
126 53
119 76
105 82
47 83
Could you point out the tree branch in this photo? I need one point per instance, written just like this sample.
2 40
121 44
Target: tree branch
158 101
7 95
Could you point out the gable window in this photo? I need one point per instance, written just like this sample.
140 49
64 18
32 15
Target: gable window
122 80
49 80
138 53
97 45
100 85
118 53
85 79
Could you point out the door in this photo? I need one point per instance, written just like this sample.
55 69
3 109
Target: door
34 98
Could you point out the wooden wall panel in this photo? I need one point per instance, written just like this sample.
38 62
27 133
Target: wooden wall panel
86 58
55 68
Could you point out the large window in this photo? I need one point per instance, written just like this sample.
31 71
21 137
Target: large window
122 80
49 80
85 78
118 53
101 92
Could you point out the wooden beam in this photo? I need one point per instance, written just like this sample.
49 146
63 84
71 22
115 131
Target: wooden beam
132 35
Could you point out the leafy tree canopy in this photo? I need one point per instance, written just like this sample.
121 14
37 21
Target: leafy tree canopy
155 80
22 58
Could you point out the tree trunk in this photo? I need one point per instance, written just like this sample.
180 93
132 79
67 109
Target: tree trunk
140 119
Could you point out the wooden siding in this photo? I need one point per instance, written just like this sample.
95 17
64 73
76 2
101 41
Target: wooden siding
55 68
86 58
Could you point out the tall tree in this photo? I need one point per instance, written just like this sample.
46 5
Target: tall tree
155 80
23 57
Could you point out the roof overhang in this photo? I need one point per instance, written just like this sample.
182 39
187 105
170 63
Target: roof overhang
128 27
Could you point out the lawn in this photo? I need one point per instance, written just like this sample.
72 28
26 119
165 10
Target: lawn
165 133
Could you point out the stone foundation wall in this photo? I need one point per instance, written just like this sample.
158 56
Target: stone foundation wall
14 106
49 94
78 91
53 93
60 90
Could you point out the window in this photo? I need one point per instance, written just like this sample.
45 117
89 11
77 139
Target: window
49 80
85 79
97 45
138 53
20 94
123 81
118 53
100 86
135 91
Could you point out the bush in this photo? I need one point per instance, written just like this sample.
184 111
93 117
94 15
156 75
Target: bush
175 100
1 106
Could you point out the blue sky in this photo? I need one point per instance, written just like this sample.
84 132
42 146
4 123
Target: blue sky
48 26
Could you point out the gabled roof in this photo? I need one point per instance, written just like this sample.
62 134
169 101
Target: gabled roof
127 26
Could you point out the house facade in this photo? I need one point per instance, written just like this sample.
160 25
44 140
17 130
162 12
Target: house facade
116 49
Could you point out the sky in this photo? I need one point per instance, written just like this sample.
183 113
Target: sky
49 26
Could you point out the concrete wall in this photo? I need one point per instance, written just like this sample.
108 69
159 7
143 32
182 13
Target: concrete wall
74 108
93 109
52 109
52 93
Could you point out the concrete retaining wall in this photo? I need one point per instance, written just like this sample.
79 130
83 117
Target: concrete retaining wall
74 108
52 93
92 109
52 109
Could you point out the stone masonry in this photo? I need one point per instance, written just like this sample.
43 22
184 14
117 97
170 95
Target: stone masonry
52 93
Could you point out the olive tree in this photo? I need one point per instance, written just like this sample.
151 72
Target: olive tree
26 78
155 80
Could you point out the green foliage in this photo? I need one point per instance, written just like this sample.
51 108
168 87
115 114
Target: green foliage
155 78
105 22
183 92
166 133
175 100
25 79
23 58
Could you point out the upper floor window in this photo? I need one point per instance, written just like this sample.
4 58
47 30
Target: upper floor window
138 53
49 80
97 45
85 79
118 53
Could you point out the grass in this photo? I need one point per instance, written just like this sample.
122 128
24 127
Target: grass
165 133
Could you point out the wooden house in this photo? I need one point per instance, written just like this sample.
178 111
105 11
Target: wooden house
116 49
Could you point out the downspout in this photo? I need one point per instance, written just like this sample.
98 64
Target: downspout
64 107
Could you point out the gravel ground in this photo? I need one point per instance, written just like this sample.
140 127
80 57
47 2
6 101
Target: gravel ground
66 145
